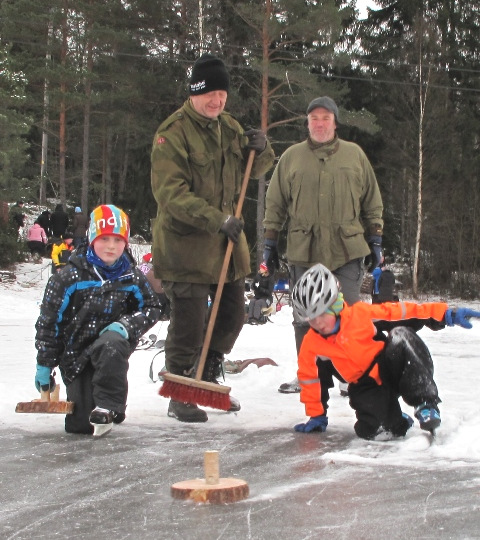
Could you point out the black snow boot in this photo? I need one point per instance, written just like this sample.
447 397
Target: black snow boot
212 370
186 412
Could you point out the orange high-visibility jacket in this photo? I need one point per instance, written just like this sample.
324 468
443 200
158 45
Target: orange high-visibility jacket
353 349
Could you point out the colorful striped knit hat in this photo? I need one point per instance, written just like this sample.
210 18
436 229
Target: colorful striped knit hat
337 306
108 219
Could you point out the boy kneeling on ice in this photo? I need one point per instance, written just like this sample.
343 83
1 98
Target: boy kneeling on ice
93 313
378 367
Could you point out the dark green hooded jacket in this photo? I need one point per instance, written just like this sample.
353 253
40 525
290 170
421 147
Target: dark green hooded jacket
197 172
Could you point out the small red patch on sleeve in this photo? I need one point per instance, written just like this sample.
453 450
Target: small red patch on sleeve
161 140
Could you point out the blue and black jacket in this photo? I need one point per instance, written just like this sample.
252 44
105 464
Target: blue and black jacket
78 304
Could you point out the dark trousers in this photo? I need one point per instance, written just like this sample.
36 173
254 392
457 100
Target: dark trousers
102 383
36 247
406 370
189 316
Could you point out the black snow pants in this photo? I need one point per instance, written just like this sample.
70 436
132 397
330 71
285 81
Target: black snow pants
406 370
102 383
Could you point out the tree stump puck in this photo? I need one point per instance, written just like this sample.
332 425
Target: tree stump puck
227 490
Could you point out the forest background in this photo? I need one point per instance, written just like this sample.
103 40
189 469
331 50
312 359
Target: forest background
84 85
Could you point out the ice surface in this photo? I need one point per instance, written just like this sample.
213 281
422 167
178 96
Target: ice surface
301 485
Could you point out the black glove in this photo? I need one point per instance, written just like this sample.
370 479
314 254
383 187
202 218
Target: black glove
376 256
270 255
232 227
257 140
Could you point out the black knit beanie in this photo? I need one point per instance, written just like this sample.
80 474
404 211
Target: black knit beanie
208 74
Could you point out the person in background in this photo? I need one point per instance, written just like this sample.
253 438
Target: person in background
147 268
80 226
44 222
198 159
61 251
59 222
263 285
383 285
92 317
326 190
379 367
16 217
37 239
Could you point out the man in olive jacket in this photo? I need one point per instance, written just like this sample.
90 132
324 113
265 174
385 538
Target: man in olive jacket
198 158
327 189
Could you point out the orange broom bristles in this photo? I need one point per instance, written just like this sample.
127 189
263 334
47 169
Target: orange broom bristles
198 396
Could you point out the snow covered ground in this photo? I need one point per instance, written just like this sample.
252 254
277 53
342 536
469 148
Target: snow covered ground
257 444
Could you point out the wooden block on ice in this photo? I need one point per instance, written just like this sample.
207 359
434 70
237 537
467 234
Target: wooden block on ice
211 489
227 490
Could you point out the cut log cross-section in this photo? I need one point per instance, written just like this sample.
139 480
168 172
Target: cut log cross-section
212 488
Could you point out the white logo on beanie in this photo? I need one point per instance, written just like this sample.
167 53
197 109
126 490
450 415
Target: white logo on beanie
195 87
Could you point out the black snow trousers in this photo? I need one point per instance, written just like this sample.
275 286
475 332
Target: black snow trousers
406 370
102 383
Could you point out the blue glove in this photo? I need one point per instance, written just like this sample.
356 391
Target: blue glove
43 378
460 317
316 423
270 255
376 256
116 327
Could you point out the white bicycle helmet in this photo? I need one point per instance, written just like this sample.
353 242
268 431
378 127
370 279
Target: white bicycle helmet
314 292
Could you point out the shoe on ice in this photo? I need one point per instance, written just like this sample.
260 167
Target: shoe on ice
101 416
118 417
234 404
428 416
101 420
186 412
292 387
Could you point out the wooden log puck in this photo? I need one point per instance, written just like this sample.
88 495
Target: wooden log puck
212 489
227 490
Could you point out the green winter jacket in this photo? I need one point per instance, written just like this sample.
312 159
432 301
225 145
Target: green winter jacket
197 172
331 198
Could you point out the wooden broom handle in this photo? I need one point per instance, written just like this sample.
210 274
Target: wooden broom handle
223 273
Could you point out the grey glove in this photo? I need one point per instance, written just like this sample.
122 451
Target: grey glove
257 140
232 227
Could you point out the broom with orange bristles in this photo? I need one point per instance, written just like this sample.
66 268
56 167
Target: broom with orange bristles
186 389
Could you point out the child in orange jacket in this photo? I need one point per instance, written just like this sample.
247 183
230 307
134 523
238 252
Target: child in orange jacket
378 367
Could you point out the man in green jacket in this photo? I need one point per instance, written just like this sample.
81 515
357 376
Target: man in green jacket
327 190
198 157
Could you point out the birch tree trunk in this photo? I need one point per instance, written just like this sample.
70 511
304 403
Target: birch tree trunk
63 115
263 126
422 95
86 121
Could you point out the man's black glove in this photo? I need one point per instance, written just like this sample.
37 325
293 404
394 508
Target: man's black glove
376 256
270 255
232 227
257 140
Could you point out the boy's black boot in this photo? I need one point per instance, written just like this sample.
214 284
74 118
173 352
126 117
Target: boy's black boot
101 416
101 420
428 416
